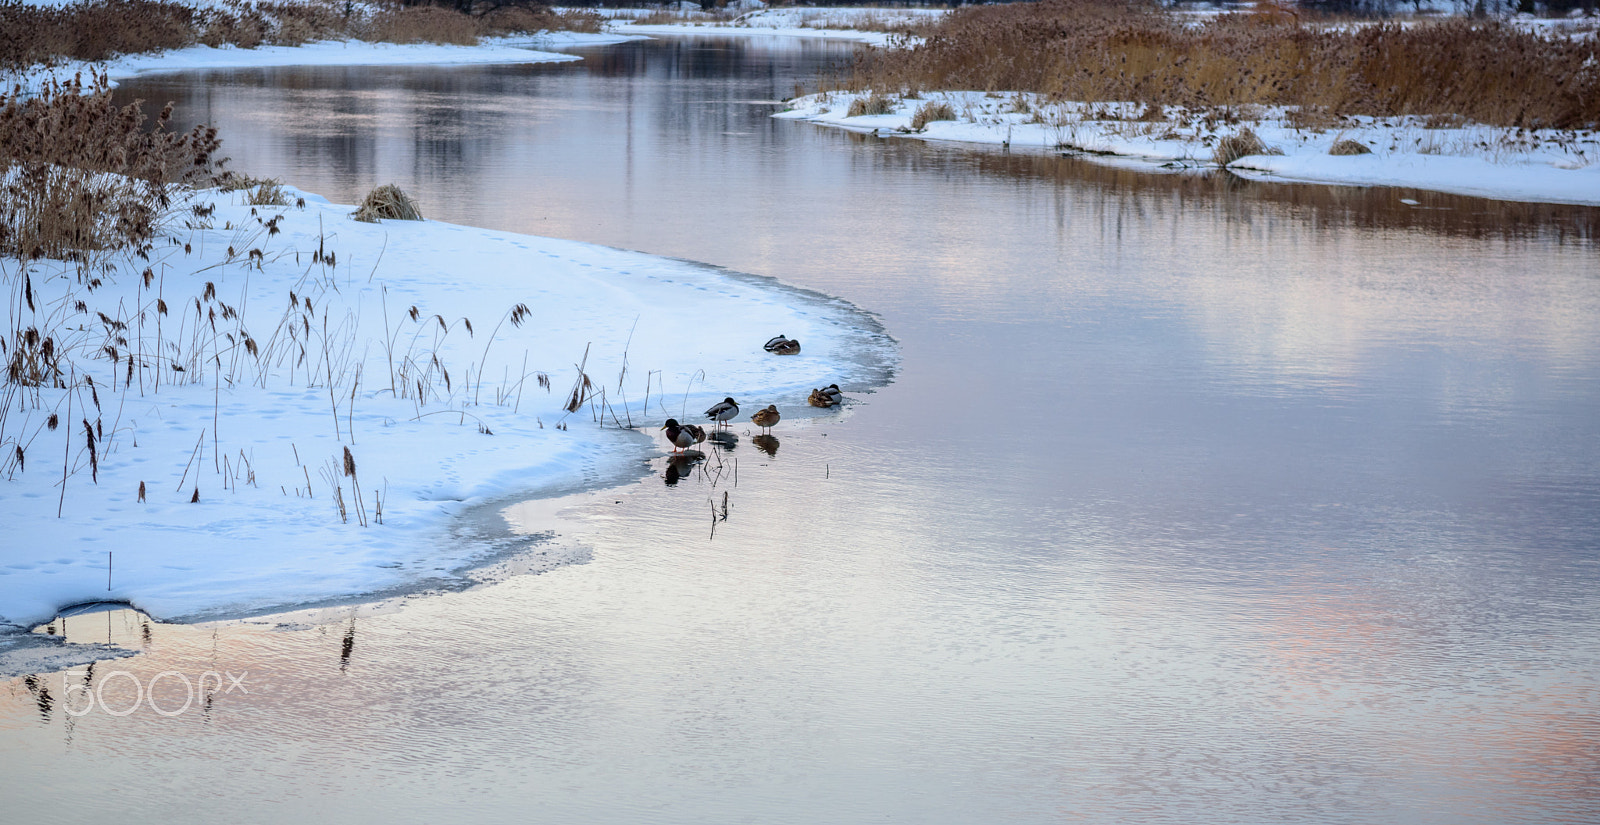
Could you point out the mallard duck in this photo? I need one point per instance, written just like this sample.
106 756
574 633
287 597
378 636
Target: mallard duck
828 396
781 345
697 431
767 417
681 437
723 412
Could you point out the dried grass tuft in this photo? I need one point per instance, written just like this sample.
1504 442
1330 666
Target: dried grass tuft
387 202
872 104
268 193
930 112
1349 147
1241 144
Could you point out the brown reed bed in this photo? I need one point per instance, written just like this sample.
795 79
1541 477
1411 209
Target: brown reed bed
80 174
103 29
1115 51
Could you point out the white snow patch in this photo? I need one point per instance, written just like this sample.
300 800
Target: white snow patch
492 51
1468 159
847 23
262 438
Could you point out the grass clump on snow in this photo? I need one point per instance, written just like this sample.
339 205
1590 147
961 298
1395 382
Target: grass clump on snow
1349 147
387 202
873 104
1241 144
930 112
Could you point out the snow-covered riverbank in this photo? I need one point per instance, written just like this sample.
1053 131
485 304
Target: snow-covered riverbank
860 25
268 339
492 51
1434 154
441 356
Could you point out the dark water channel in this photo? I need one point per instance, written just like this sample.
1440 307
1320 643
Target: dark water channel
1194 500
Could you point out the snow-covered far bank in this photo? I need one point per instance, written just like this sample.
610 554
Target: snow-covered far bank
222 390
496 50
1436 154
861 25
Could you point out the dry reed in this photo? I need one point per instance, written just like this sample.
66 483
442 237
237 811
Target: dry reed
102 29
930 112
387 202
1109 51
1241 144
78 173
1349 147
873 104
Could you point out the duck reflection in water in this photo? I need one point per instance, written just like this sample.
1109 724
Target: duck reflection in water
348 646
682 466
724 439
766 443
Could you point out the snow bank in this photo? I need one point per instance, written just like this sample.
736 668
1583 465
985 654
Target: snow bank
853 24
441 356
502 50
1459 158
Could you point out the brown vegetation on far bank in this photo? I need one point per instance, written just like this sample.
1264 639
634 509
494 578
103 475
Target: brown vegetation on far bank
1107 50
103 29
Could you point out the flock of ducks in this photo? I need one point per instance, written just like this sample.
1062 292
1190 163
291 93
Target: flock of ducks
684 436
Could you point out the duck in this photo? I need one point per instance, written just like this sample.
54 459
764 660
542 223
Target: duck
782 345
766 418
723 412
828 396
681 437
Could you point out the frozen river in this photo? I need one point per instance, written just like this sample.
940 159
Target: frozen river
1193 500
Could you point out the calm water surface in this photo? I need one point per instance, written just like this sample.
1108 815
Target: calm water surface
1194 500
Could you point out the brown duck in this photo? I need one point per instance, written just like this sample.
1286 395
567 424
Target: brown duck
767 417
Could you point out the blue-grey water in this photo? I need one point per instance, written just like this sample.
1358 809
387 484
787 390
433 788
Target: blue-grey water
1193 500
